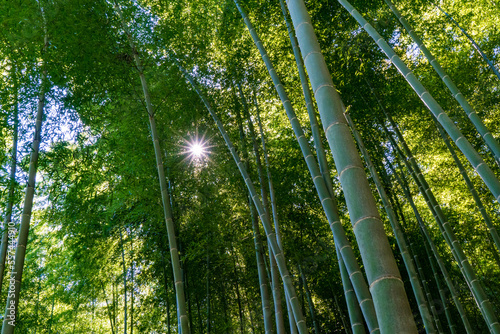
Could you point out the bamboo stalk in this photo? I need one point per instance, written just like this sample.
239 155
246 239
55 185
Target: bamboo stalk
463 144
398 233
271 235
389 297
182 315
490 141
327 202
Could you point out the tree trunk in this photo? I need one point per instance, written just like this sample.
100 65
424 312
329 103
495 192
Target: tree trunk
167 210
12 303
271 236
124 283
478 123
309 301
398 233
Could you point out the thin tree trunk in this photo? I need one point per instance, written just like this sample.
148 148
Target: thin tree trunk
111 322
402 182
398 233
124 283
167 210
208 293
165 283
355 315
342 317
327 202
12 303
309 301
275 283
473 42
393 310
8 225
490 141
132 283
52 309
271 236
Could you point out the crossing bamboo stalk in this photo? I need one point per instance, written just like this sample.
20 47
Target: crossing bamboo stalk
325 198
387 289
488 138
271 235
182 315
462 143
398 233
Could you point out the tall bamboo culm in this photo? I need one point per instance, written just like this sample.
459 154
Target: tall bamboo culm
448 233
391 303
472 190
271 235
488 138
463 144
469 37
327 202
356 323
182 316
12 182
398 233
16 274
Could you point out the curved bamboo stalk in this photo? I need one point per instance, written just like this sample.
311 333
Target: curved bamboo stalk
320 151
271 235
278 311
355 315
259 249
16 273
12 182
327 201
470 153
461 259
182 315
473 42
488 138
475 195
389 297
398 233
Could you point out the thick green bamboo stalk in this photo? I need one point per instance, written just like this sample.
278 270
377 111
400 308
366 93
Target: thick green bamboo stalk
182 315
320 151
271 235
490 141
355 315
449 235
16 270
398 233
8 225
359 283
473 42
475 195
389 297
275 283
470 153
404 185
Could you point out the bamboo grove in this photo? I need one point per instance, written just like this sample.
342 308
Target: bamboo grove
250 167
